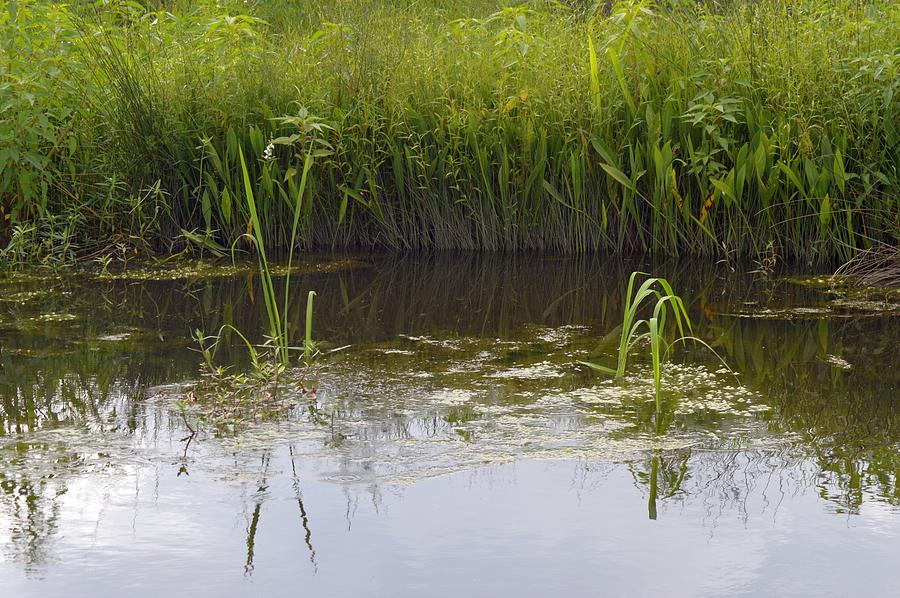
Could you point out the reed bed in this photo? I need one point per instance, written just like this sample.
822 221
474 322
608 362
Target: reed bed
726 129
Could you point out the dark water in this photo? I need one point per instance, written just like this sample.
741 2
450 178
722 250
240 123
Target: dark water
456 448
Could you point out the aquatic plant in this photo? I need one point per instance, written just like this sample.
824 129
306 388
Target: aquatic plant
265 374
652 330
279 329
278 337
770 128
309 349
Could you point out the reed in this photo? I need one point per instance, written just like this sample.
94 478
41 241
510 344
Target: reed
652 330
687 128
279 328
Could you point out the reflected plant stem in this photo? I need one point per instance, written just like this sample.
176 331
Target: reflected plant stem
254 520
187 440
303 517
183 469
654 485
251 539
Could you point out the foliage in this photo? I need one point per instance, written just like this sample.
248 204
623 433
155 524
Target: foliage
682 127
652 329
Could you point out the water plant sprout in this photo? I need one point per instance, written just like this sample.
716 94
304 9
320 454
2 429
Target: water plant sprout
654 329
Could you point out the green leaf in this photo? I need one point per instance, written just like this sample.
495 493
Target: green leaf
342 211
839 174
595 75
599 368
225 205
759 158
549 188
723 187
825 212
605 153
812 173
792 176
618 175
620 77
207 210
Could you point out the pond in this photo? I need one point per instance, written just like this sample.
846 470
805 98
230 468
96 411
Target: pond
453 445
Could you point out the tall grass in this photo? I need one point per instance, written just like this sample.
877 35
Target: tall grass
716 128
279 328
652 329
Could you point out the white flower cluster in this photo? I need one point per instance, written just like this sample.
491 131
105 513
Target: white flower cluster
269 154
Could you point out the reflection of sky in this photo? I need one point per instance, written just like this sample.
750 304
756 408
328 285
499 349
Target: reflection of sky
531 528
451 369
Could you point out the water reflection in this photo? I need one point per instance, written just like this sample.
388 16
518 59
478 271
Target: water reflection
747 504
31 508
304 518
457 362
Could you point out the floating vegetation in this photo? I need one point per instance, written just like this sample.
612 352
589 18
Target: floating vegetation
195 269
115 338
693 389
451 396
783 313
838 297
192 270
532 372
22 297
54 317
837 361
867 306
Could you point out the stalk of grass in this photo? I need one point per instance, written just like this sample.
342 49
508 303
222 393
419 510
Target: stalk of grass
308 346
298 205
635 330
277 332
463 126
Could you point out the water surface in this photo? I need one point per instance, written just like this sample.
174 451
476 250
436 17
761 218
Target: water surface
456 447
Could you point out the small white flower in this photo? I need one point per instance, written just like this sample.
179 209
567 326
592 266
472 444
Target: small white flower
270 152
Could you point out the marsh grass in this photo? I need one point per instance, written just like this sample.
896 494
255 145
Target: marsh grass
714 128
654 330
232 394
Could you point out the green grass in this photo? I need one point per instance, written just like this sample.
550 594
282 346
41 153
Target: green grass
653 329
699 128
278 337
279 327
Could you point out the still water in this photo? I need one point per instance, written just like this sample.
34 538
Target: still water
456 447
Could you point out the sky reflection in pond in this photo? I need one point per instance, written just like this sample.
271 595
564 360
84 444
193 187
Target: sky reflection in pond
457 447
